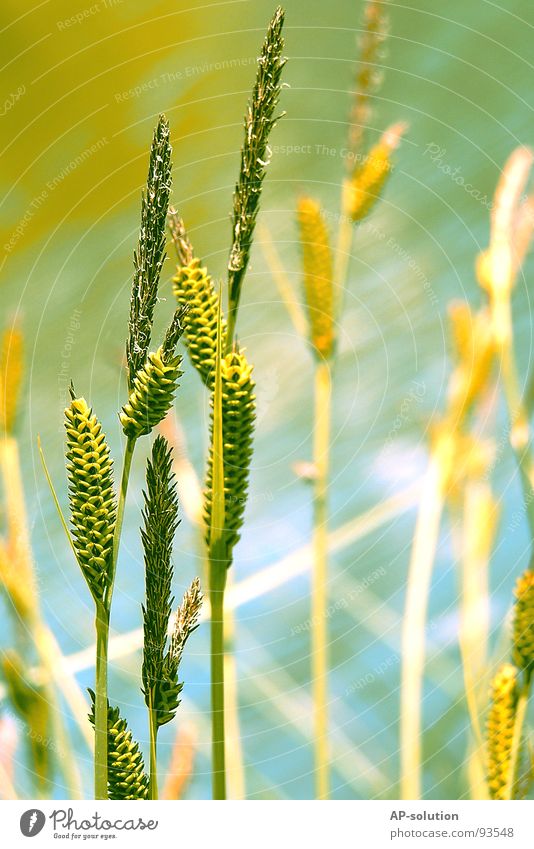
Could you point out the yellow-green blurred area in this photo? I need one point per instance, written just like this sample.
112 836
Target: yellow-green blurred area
82 86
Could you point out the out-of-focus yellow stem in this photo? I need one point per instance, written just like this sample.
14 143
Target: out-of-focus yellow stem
319 647
414 622
27 602
479 520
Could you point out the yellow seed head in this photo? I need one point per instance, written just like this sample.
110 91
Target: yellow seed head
500 729
523 633
318 276
369 177
10 378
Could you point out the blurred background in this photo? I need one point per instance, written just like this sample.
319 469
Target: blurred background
82 85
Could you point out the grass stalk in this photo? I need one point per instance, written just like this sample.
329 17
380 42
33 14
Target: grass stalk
218 565
343 249
101 702
153 730
414 621
319 649
234 749
217 587
121 503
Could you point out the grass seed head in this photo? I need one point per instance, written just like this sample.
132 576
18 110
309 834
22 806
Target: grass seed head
194 289
127 779
154 385
150 253
500 729
318 276
260 118
368 75
238 417
91 495
160 520
369 176
523 629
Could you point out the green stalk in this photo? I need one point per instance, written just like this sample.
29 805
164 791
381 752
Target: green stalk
217 586
153 786
319 577
126 468
101 702
219 561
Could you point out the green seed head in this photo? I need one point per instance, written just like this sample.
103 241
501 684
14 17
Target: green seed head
91 495
126 769
152 393
238 416
193 288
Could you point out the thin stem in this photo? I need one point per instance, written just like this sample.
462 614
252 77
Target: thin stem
414 623
101 703
283 284
345 235
474 556
230 327
520 715
319 578
234 749
519 428
217 586
153 787
126 468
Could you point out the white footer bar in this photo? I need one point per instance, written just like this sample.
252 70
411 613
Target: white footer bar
269 825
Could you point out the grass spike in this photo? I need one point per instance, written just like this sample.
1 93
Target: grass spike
318 276
154 385
127 779
500 729
260 119
523 627
160 520
150 253
368 77
238 417
193 287
91 495
369 177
